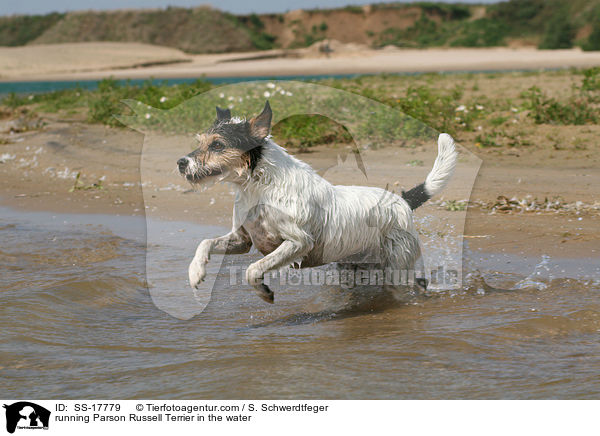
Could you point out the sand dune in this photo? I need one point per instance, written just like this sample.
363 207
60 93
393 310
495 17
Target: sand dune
40 60
125 60
96 60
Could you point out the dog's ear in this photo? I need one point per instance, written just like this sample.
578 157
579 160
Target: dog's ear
223 114
260 126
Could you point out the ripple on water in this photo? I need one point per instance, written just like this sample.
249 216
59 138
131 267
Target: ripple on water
79 314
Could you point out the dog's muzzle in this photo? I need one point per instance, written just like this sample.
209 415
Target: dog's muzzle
192 172
183 164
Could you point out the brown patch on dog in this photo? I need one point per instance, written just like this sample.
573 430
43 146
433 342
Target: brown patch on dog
215 156
204 140
260 126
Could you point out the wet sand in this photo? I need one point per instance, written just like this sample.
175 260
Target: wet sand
40 167
87 61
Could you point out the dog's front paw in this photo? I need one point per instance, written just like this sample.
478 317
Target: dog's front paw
197 273
254 276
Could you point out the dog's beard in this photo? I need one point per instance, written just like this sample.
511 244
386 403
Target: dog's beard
204 178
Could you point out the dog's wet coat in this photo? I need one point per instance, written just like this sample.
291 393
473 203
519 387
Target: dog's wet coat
294 216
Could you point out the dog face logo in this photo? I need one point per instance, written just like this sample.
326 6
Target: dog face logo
26 415
229 149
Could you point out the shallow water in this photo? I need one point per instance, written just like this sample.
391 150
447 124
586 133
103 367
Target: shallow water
35 87
80 322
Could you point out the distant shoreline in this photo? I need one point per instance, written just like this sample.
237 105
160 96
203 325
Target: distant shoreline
26 66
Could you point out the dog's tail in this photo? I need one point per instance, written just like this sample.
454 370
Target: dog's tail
440 174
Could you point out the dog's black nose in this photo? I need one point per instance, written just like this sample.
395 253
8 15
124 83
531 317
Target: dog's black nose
183 164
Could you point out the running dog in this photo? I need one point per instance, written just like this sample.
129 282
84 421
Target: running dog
294 216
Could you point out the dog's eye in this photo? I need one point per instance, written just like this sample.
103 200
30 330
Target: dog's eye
216 146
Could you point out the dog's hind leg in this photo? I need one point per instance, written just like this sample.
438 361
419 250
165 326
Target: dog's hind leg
288 252
402 256
235 242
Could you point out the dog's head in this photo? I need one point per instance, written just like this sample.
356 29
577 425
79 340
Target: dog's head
229 150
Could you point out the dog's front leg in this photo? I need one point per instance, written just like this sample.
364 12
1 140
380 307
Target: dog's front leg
235 242
285 254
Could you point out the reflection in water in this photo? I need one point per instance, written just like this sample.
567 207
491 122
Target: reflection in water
77 314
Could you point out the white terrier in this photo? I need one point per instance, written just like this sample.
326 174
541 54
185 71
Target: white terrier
293 215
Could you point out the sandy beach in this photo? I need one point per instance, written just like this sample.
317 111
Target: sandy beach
87 61
38 167
38 170
41 61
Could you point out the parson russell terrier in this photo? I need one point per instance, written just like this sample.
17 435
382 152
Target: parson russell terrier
293 215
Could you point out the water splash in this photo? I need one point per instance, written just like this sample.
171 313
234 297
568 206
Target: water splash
540 272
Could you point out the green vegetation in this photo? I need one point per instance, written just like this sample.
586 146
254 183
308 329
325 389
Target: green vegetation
107 100
102 104
580 107
304 38
591 82
498 121
78 185
449 11
549 23
304 131
353 9
198 30
456 28
559 34
487 140
446 103
445 10
315 35
423 33
22 29
254 26
455 205
593 41
485 32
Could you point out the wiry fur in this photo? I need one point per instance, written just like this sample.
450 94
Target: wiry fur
443 167
293 215
440 174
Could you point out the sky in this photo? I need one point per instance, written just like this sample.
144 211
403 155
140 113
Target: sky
8 7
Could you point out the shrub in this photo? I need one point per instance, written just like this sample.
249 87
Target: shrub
559 33
484 32
446 11
423 33
546 110
106 101
593 42
591 80
256 22
304 131
263 40
19 30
